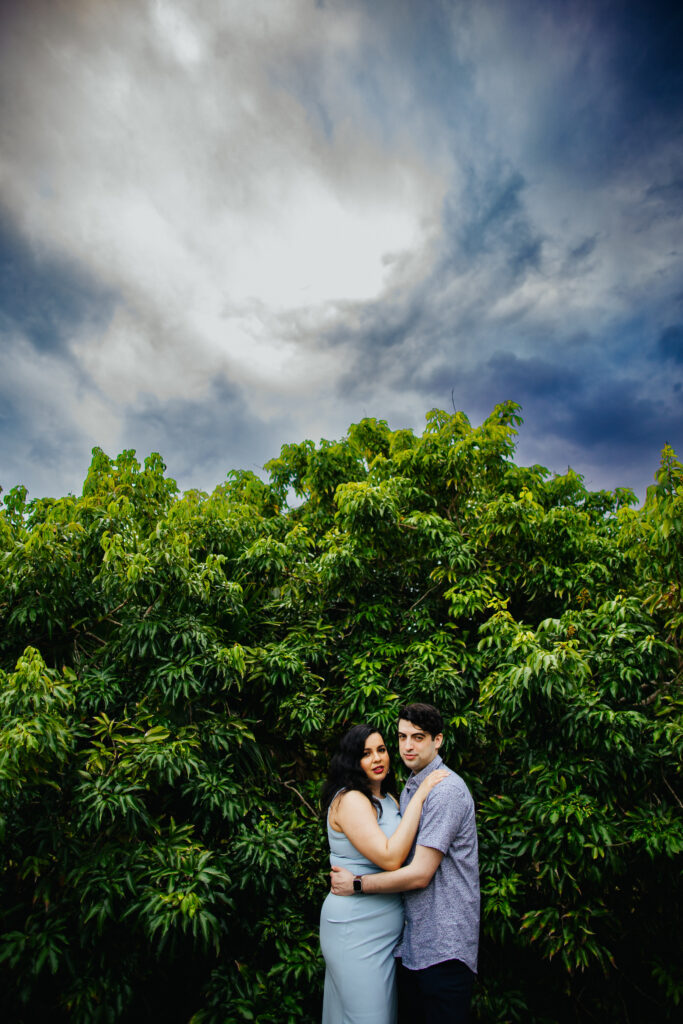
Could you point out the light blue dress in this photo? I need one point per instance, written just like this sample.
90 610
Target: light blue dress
357 938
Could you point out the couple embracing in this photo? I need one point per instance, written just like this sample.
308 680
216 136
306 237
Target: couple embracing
405 881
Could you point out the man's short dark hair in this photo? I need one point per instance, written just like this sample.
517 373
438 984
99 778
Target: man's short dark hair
425 716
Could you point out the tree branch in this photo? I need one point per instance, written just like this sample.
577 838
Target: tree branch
289 785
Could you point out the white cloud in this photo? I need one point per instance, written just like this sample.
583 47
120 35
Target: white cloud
155 146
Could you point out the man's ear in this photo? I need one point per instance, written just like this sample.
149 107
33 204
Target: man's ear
438 740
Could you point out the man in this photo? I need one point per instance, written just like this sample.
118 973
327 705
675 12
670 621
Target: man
440 882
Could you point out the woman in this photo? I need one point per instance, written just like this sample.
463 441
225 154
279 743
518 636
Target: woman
366 833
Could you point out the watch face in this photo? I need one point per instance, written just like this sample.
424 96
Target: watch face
357 887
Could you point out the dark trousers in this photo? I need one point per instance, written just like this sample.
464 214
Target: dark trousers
437 994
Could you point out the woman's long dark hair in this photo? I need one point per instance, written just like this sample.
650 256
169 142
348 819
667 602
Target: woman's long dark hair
346 773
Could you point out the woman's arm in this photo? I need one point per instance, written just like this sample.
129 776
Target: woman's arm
355 816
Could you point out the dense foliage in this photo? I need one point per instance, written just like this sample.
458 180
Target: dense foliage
176 670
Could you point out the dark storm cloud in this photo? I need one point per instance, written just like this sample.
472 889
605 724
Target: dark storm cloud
43 445
670 344
433 332
47 441
616 415
495 222
605 424
487 232
531 378
202 439
42 296
45 302
647 57
620 78
670 192
578 107
542 387
583 250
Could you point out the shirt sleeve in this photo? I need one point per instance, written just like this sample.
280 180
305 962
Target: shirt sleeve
442 816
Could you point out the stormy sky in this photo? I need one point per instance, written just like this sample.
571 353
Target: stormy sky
228 225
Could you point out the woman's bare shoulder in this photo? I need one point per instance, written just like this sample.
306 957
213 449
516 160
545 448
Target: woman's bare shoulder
350 803
351 799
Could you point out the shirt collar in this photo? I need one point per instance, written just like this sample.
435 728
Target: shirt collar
431 767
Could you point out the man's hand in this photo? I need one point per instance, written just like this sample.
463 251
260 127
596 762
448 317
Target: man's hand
341 882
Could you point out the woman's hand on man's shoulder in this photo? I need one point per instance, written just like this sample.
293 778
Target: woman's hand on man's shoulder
433 780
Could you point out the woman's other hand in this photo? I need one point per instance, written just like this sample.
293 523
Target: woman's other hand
341 881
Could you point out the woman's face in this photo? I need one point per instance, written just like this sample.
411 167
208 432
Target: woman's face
375 760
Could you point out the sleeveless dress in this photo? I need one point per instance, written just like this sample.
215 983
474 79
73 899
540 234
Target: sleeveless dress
357 936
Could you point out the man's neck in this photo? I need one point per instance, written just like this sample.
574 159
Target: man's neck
430 766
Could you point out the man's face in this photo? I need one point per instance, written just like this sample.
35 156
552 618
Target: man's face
416 747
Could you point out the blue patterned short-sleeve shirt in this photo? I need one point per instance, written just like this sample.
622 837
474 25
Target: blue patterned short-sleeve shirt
442 920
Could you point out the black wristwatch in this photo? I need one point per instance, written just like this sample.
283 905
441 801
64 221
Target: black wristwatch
358 884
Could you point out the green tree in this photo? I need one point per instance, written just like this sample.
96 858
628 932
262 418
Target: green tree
176 669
